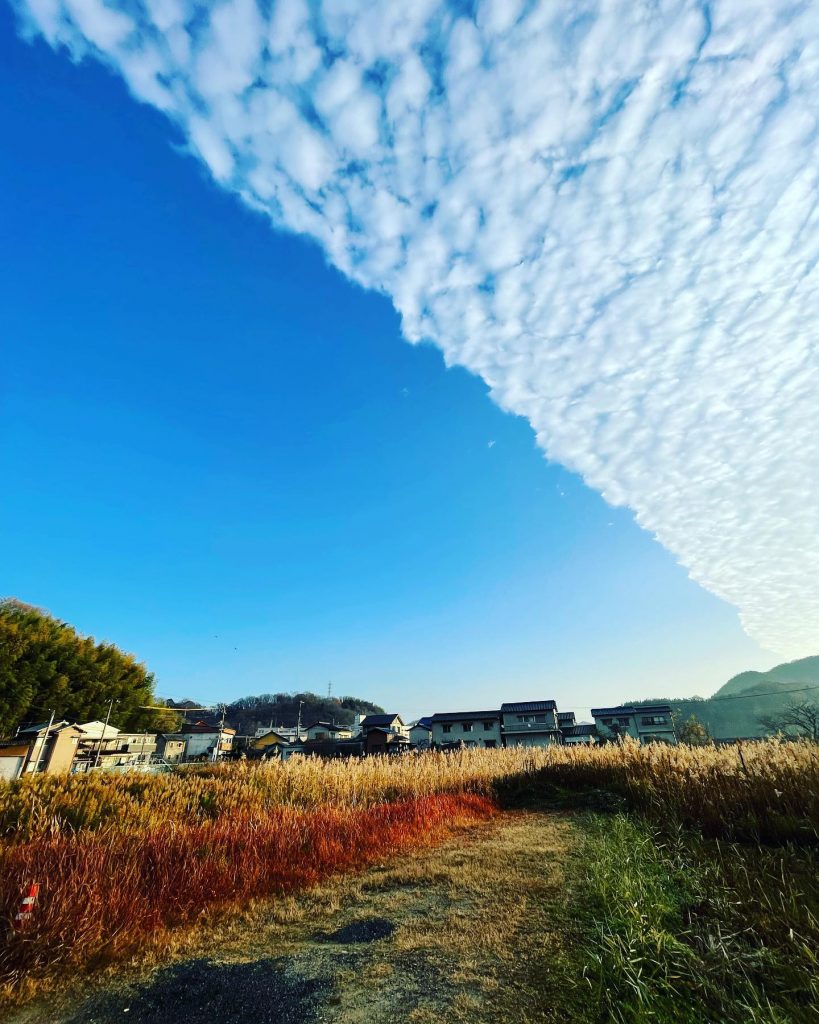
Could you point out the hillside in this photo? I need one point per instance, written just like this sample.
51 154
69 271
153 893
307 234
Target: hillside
735 709
247 714
805 670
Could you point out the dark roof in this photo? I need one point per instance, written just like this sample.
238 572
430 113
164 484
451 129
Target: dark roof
425 720
373 720
205 729
565 716
42 726
457 716
529 705
629 709
331 726
422 723
584 729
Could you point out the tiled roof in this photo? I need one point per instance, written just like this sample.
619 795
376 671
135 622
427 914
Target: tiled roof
565 716
326 725
529 705
372 720
585 729
457 716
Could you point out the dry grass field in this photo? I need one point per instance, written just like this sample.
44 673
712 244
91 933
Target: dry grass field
647 901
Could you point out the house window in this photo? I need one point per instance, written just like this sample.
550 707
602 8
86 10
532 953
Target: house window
622 721
487 726
489 743
607 721
466 726
654 720
447 728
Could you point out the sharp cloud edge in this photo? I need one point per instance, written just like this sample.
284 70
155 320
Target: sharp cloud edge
607 209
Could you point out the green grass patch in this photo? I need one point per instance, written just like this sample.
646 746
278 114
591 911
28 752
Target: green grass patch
683 930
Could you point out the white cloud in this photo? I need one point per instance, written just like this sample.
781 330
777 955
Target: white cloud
607 209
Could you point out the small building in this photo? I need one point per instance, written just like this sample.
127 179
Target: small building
383 740
565 718
39 748
288 733
270 742
171 747
393 723
531 723
647 723
105 746
420 733
466 728
321 732
583 733
203 741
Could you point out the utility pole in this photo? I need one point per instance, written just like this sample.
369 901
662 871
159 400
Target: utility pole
102 738
298 724
218 746
43 742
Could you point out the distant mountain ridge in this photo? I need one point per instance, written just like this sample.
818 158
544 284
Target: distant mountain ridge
735 709
805 670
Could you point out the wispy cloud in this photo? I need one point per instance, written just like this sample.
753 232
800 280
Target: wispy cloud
606 208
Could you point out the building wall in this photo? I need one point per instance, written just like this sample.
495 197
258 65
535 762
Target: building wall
420 737
634 726
171 750
459 732
12 759
60 752
530 739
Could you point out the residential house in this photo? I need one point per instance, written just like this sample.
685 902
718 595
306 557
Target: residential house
102 745
289 733
392 723
565 718
203 741
647 723
383 740
272 741
420 733
43 748
322 732
584 732
170 747
467 728
530 723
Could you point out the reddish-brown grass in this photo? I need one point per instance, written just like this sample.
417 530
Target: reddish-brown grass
102 892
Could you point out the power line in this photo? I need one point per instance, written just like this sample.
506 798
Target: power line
703 700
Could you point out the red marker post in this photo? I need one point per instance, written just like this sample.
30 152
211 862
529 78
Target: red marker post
23 915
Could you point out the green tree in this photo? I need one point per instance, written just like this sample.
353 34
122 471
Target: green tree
46 665
693 732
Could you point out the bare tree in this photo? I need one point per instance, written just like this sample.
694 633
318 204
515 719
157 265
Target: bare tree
800 718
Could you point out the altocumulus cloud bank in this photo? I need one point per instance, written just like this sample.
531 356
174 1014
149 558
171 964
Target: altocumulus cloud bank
607 210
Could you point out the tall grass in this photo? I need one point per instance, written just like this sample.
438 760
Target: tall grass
684 929
106 890
765 791
121 856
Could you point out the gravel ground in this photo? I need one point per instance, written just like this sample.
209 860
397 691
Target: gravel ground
368 930
204 992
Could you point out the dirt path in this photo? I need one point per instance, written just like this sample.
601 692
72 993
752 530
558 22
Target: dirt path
478 929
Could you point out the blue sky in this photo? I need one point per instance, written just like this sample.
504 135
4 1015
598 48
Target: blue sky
219 452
